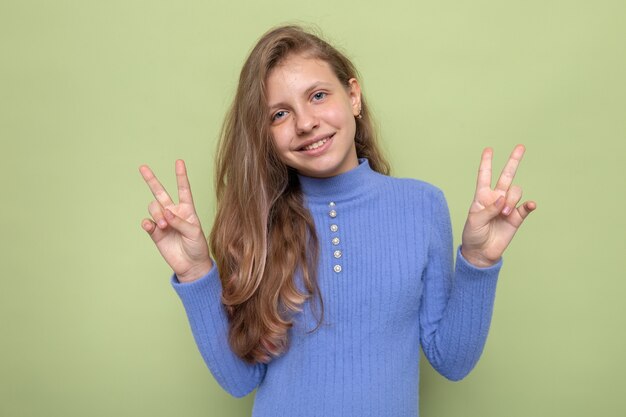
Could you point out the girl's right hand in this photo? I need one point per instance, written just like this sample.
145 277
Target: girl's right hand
176 229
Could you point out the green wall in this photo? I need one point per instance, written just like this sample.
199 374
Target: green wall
89 90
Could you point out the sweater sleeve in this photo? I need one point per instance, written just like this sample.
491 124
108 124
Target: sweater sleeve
209 325
457 301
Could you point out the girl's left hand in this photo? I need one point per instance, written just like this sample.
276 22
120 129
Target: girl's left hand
494 216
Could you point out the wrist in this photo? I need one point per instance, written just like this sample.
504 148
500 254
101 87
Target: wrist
195 273
477 259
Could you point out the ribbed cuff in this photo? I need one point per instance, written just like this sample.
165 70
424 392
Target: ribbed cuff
466 268
206 289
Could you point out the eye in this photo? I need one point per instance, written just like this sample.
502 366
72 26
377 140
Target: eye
279 115
320 95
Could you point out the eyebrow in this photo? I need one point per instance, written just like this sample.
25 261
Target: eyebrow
308 91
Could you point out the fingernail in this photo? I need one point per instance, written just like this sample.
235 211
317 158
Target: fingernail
507 210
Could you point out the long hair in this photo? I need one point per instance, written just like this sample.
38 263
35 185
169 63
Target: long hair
263 236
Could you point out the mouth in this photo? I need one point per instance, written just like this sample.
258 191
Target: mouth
317 144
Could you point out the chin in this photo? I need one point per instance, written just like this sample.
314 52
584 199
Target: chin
323 172
323 166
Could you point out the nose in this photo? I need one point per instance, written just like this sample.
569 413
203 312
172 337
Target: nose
306 121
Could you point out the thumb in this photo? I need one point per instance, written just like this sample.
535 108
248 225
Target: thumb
488 213
181 225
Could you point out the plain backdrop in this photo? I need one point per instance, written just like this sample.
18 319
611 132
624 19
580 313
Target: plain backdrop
89 90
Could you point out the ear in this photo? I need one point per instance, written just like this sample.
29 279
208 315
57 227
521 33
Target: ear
354 92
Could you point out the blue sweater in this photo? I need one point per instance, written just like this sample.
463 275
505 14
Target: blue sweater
389 285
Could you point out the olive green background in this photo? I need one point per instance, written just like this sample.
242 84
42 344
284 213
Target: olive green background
89 90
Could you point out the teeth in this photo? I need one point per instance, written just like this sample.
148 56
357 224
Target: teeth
315 145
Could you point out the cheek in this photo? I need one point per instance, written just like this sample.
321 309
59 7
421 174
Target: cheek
344 121
342 116
279 138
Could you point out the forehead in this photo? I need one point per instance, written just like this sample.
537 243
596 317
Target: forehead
296 73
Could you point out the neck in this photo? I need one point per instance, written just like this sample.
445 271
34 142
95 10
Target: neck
347 185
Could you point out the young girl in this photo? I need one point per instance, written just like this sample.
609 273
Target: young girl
328 274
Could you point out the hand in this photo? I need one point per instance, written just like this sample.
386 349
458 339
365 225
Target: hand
494 216
176 229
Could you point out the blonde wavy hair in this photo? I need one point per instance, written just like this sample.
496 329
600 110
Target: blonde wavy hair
263 235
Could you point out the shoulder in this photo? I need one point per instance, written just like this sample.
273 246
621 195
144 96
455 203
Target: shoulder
408 197
413 187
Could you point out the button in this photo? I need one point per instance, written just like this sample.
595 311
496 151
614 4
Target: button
337 254
331 204
332 213
334 227
337 268
335 241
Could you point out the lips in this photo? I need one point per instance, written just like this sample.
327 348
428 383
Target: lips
316 143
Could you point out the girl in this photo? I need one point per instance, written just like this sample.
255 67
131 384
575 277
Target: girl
329 274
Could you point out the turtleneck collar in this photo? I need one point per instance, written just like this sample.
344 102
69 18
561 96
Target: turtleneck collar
347 185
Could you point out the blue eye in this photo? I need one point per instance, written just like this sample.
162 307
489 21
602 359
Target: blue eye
278 115
319 96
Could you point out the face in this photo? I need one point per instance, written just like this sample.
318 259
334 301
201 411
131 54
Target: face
312 117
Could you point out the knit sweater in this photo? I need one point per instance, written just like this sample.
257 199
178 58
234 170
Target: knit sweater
389 285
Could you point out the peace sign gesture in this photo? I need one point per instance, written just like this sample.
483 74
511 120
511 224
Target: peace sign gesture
175 228
494 216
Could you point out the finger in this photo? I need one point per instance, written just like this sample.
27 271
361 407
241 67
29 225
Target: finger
184 189
484 170
525 209
153 230
485 215
148 225
181 225
155 186
512 198
509 170
156 211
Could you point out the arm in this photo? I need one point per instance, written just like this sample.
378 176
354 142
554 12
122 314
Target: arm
457 301
209 325
456 308
177 234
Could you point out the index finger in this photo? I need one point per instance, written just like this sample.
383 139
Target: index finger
484 171
155 186
509 170
184 189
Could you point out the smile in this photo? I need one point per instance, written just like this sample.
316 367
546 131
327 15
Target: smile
317 144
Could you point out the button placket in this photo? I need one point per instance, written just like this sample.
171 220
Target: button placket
334 228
